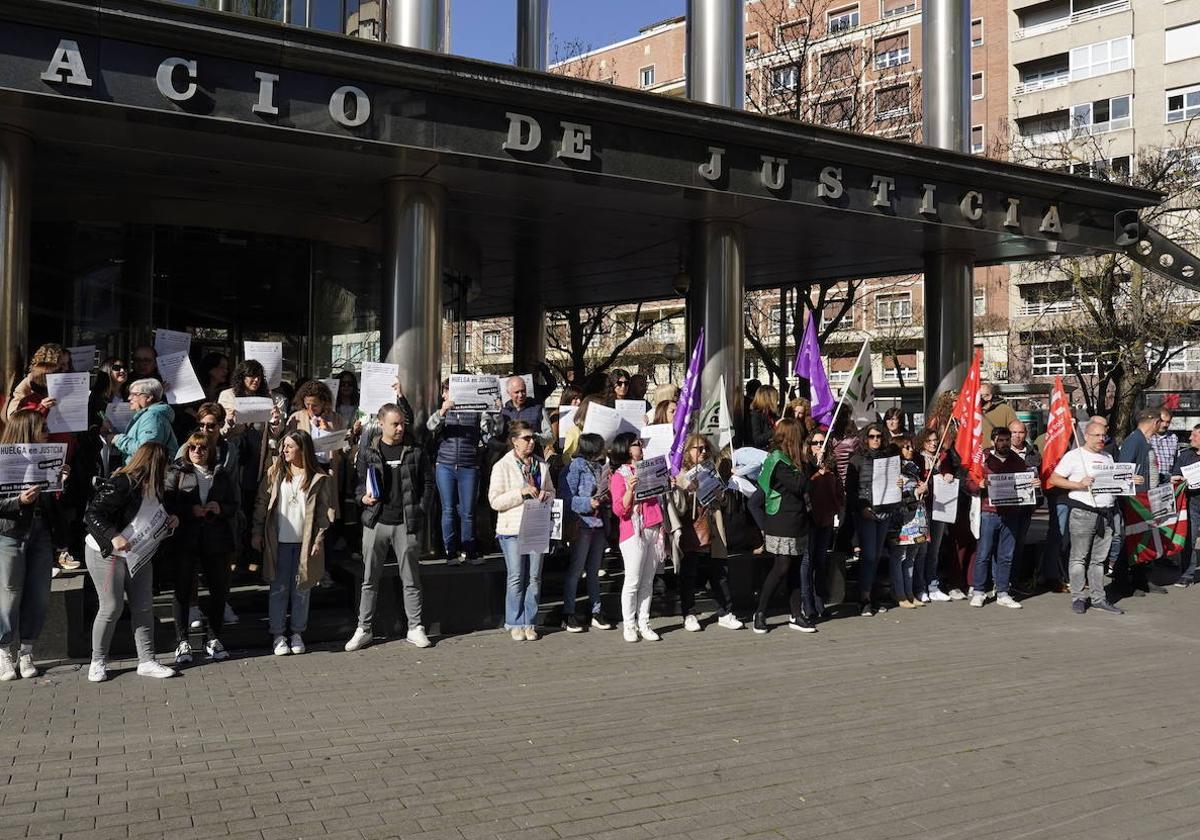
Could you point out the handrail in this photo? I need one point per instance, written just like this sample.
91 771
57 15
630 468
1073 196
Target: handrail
1075 17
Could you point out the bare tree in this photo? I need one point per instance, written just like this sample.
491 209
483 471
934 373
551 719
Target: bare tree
590 339
828 302
1116 325
894 334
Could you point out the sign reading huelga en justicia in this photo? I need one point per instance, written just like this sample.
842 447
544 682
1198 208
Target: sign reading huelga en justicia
180 82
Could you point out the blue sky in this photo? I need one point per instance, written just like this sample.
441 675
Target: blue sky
487 28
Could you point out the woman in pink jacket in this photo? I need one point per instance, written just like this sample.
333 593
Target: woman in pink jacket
641 539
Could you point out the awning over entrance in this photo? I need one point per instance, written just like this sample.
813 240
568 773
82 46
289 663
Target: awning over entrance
142 111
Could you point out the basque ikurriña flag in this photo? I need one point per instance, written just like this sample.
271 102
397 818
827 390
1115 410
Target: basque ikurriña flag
1146 539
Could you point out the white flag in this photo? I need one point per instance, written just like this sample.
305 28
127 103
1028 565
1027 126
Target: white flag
859 392
715 420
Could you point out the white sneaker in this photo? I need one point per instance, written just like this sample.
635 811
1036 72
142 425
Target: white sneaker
691 624
730 621
923 598
602 572
956 595
359 640
183 653
416 636
8 671
154 669
97 671
26 667
631 634
977 599
649 635
296 644
454 561
936 594
280 646
1006 600
215 650
195 621
230 616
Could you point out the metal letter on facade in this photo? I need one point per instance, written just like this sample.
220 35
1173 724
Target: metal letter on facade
266 93
337 106
524 133
67 65
576 141
1051 223
165 79
883 186
1012 218
928 207
774 172
711 169
830 183
971 206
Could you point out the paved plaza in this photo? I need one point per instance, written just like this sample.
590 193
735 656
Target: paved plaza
947 722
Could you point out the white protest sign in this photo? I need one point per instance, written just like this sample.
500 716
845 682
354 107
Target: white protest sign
474 393
70 413
25 465
83 357
536 526
177 371
167 342
253 409
945 499
602 420
653 477
269 354
378 386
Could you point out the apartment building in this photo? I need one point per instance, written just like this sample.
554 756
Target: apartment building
856 66
1094 85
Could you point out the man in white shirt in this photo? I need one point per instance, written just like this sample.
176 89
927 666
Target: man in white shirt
1090 520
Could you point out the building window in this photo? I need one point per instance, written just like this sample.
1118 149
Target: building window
794 32
491 341
1188 360
837 64
980 302
1053 360
907 363
1183 42
460 344
842 20
1111 169
784 78
976 139
896 8
977 85
891 102
977 32
646 76
893 310
838 113
752 48
892 52
1098 59
1101 116
1183 103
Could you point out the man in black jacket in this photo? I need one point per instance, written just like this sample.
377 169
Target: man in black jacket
395 488
1189 456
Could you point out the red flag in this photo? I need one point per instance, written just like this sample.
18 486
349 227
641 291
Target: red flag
1058 431
969 418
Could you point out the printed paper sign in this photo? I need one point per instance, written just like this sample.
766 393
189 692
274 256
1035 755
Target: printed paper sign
25 465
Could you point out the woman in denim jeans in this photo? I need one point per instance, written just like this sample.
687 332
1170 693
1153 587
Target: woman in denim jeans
871 521
458 437
584 490
518 476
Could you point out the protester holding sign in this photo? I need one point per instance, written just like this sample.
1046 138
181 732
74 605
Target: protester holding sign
1129 576
31 392
314 413
584 491
518 476
1000 521
640 537
926 580
913 523
151 423
458 437
1186 469
133 494
31 524
202 494
698 537
872 521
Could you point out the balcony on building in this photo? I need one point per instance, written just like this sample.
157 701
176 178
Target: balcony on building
1037 19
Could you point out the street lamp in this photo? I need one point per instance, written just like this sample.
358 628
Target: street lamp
673 353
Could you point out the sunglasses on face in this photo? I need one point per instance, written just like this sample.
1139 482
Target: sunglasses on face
197 448
622 381
699 448
817 442
117 367
874 437
525 438
208 425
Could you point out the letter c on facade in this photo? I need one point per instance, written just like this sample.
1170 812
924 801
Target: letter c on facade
166 79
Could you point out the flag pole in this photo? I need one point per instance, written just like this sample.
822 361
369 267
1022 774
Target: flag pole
837 408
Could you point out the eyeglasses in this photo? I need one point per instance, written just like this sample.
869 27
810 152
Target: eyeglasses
622 382
208 425
698 448
525 438
116 366
874 437
133 394
197 447
817 442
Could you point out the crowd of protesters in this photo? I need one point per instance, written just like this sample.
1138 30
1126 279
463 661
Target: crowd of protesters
258 499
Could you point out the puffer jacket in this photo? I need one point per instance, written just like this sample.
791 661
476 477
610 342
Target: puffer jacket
416 479
152 423
113 506
860 478
458 436
210 535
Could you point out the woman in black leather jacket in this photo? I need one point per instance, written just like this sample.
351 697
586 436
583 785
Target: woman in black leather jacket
134 491
202 493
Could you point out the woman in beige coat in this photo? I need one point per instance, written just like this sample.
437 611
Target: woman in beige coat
293 510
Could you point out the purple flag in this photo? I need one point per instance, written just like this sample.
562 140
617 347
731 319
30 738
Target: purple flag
808 366
687 402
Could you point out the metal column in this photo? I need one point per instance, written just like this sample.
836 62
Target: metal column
421 24
946 92
16 197
529 312
414 213
716 74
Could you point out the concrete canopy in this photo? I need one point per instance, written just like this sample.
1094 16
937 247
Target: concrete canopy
202 118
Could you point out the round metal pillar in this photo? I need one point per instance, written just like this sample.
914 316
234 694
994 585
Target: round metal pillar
949 310
716 52
716 302
420 24
533 34
414 218
16 197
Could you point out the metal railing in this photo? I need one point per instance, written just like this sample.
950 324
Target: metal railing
1075 17
1043 83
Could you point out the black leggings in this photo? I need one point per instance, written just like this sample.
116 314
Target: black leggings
718 576
216 575
777 575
